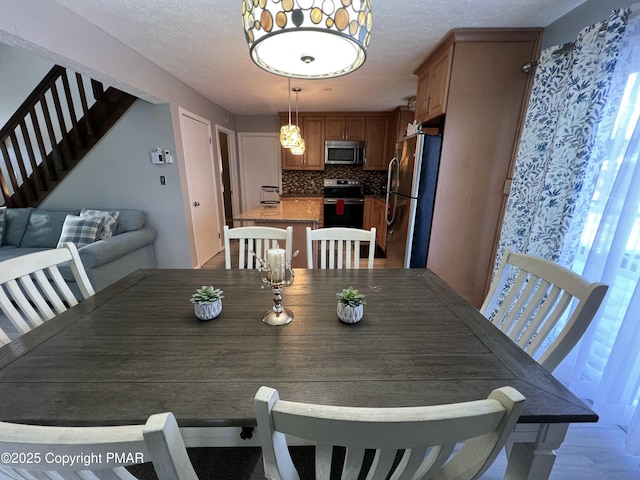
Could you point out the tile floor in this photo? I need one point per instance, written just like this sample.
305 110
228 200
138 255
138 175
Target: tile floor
589 452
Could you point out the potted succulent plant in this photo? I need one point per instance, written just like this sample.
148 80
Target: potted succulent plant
350 305
207 302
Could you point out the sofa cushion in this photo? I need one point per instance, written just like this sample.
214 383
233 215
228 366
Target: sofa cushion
8 252
80 230
130 220
3 213
44 228
110 221
16 220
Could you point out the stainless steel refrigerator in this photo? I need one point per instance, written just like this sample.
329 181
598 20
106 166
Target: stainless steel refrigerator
411 191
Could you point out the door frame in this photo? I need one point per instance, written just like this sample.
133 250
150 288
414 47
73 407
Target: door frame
242 164
233 165
217 182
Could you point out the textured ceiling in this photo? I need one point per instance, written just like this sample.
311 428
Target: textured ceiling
201 42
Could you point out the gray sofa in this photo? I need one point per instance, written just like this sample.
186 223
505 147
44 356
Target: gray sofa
29 230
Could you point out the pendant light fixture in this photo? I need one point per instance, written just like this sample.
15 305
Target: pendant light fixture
289 133
299 147
307 38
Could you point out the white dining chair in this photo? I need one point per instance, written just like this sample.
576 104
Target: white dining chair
32 289
528 298
253 243
409 442
339 247
46 452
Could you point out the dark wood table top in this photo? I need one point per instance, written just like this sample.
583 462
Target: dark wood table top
136 348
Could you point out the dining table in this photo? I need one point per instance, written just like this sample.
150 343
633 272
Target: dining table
136 348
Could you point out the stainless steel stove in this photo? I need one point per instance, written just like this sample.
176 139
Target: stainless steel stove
343 203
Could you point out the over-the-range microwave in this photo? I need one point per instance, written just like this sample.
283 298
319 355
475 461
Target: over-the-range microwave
341 152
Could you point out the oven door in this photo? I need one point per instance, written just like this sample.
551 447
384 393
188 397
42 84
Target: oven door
343 212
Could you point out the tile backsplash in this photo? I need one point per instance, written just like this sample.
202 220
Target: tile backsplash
310 182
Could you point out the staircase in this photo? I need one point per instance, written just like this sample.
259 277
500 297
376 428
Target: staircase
54 128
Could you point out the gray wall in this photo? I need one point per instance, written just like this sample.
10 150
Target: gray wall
57 34
20 73
566 28
258 123
119 174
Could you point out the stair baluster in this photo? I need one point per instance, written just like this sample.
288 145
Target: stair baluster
45 138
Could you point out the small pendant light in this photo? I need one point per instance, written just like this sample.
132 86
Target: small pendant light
289 133
299 147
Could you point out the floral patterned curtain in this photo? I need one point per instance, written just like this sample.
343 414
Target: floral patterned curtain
575 199
553 179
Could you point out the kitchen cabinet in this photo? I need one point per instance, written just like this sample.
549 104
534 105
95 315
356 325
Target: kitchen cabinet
341 127
312 128
485 101
433 85
380 222
367 221
375 216
400 118
372 128
376 143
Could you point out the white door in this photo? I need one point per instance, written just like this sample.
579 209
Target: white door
203 188
260 164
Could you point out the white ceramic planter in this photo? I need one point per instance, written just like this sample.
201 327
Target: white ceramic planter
349 314
207 311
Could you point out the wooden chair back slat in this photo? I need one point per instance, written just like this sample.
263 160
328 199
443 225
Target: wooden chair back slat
339 247
541 296
481 426
411 462
24 304
381 466
103 451
324 453
253 243
32 289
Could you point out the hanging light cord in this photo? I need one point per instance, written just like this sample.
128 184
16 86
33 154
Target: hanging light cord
297 90
289 100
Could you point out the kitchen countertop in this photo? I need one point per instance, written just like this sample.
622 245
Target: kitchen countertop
294 211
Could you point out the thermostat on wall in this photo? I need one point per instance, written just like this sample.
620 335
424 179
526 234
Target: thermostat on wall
156 156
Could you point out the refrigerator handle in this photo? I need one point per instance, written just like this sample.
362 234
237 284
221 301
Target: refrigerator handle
389 173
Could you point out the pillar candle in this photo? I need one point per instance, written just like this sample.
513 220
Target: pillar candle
276 264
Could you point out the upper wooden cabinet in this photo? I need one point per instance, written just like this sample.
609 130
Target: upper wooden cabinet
485 99
433 85
340 127
373 128
376 143
312 128
400 118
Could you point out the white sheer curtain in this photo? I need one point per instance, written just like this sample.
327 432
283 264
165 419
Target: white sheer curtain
605 367
575 199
